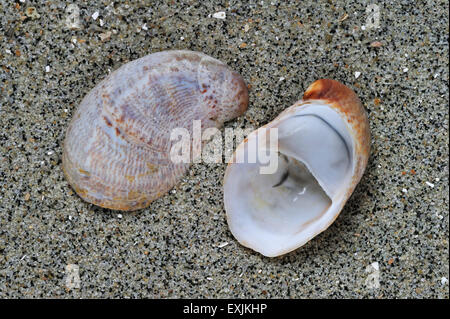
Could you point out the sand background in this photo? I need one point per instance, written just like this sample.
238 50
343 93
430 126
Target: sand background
391 239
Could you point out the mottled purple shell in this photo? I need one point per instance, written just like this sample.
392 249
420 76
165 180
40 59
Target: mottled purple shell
117 147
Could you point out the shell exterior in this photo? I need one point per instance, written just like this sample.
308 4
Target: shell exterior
324 140
117 146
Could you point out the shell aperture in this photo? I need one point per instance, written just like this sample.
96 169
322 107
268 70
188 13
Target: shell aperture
323 145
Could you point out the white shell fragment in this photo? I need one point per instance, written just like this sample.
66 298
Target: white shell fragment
220 15
95 15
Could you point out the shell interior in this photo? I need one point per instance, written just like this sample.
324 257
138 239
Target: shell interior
281 211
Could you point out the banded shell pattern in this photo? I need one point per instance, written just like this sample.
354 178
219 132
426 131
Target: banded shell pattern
117 146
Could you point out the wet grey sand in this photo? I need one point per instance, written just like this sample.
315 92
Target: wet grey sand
391 239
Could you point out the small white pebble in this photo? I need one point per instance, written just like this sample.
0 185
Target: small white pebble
281 79
430 184
406 54
437 179
49 152
269 282
259 271
222 244
404 190
74 40
246 27
66 110
95 15
73 276
144 27
241 274
181 38
357 74
23 1
8 51
363 27
220 15
405 70
209 278
119 216
174 191
70 217
373 279
436 75
295 279
444 280
439 216
47 68
101 22
105 36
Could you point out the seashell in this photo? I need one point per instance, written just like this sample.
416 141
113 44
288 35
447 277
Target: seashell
323 144
117 146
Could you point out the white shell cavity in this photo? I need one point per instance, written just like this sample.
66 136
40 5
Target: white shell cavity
323 145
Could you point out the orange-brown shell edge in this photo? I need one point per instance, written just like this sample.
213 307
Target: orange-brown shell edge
345 100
